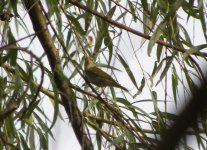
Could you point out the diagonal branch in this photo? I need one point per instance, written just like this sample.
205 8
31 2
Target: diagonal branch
131 30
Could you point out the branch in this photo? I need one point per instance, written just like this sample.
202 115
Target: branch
67 95
131 30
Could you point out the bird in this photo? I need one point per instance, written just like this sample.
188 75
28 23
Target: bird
97 76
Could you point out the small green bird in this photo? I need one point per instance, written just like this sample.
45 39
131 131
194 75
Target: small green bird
97 76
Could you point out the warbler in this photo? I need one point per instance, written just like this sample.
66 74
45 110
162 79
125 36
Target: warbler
98 76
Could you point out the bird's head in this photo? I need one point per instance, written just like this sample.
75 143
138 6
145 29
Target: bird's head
89 62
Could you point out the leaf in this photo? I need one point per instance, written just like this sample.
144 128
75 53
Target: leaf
76 25
132 9
195 49
202 17
108 42
130 74
187 37
163 74
190 82
32 108
157 112
159 51
111 12
174 86
12 54
190 10
127 104
140 88
148 24
88 16
103 32
156 35
24 143
130 136
69 34
117 140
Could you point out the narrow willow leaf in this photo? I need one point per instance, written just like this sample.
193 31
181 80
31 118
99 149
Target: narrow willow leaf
127 104
31 109
190 82
111 12
159 51
117 140
140 88
157 112
18 81
190 10
3 83
174 86
31 138
88 16
187 37
99 140
156 35
108 42
43 141
12 53
103 31
69 34
156 68
202 17
132 9
130 74
163 74
130 136
76 25
147 23
75 72
23 142
104 6
195 49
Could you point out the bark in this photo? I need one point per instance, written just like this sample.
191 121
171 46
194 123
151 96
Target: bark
67 95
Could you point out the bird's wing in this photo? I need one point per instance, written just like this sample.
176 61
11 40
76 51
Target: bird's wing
100 73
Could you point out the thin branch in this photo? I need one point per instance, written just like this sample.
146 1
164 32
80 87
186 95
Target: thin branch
124 27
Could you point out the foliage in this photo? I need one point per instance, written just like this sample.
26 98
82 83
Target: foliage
148 43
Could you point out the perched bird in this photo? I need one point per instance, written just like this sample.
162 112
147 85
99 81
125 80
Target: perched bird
98 76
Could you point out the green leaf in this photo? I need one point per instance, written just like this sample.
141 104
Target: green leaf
132 9
32 108
76 25
195 49
12 54
117 140
174 85
159 51
163 74
103 32
24 143
56 106
140 87
127 104
130 74
88 16
190 82
156 35
147 23
111 12
108 42
202 17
